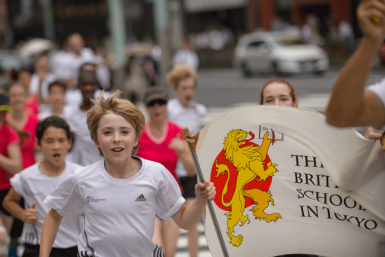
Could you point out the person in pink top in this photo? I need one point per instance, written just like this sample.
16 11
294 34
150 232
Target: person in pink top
10 163
162 141
24 77
24 121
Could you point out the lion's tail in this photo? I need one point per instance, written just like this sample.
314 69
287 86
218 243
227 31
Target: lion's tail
221 168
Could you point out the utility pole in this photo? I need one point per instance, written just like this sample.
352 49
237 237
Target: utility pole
49 25
176 14
117 29
118 35
161 12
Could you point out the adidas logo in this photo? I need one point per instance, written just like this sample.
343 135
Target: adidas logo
140 198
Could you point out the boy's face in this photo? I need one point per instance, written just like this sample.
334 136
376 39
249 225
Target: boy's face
185 91
116 138
88 86
55 145
56 96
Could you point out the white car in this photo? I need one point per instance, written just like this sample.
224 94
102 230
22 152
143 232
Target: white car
275 52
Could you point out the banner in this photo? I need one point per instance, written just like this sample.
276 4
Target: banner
288 183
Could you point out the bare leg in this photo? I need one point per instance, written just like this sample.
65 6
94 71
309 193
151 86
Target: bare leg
7 222
170 232
193 235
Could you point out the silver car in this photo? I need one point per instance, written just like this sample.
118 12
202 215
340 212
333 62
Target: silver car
275 52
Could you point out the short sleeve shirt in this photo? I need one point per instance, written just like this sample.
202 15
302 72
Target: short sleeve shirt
379 89
158 150
119 214
28 146
34 186
84 152
7 138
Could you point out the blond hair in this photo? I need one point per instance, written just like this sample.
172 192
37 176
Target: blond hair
293 93
179 73
121 107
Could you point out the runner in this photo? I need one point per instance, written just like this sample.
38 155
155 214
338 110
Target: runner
36 182
185 112
120 195
162 142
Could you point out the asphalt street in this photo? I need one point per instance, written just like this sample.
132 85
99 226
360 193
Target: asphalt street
226 88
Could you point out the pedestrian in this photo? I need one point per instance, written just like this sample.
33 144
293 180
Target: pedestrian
186 55
120 195
185 112
84 151
41 79
56 99
278 91
10 163
36 182
32 105
351 104
23 121
162 141
26 122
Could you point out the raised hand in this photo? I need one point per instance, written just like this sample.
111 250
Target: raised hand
371 15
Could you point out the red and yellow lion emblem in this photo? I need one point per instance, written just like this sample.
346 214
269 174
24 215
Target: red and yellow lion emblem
242 174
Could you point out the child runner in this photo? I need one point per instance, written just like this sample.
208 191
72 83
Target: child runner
10 163
185 112
36 182
56 98
120 195
84 151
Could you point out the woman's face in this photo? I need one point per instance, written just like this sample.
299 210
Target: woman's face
157 109
18 97
278 94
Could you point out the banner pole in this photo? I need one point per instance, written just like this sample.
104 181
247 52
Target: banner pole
192 141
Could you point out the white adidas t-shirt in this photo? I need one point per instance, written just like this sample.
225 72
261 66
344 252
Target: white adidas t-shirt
34 186
119 214
84 152
191 118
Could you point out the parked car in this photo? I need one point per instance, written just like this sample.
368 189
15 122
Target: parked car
278 53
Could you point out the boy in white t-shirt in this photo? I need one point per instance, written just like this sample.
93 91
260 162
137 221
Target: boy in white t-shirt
84 151
36 182
121 195
186 113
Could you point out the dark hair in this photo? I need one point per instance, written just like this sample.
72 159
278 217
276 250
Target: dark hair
85 64
85 73
57 83
52 121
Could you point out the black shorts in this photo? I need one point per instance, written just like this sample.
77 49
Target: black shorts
188 186
33 251
3 193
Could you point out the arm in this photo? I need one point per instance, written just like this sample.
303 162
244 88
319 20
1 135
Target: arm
350 105
10 203
50 227
189 215
40 98
182 150
11 164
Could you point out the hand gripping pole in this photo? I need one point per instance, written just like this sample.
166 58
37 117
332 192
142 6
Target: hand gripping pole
192 143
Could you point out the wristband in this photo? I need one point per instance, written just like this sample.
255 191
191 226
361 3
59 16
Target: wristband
2 229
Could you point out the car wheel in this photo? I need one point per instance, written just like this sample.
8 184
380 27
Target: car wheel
246 72
320 72
274 68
